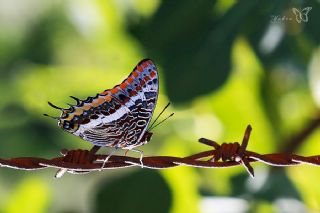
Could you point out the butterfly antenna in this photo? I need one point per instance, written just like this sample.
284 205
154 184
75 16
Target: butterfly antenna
56 118
159 115
54 106
161 122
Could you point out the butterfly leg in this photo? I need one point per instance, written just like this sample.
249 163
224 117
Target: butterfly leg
107 158
93 151
141 155
77 159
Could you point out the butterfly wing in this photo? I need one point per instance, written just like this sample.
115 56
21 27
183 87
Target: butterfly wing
297 13
117 117
304 13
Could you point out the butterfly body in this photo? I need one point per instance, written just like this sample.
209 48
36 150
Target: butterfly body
116 117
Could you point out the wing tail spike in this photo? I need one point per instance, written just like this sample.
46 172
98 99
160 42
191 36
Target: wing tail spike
76 99
54 106
56 118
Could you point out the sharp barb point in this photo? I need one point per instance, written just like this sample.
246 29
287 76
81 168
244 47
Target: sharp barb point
248 167
245 140
209 143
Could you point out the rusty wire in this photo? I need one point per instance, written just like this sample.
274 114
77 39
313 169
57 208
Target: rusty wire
224 155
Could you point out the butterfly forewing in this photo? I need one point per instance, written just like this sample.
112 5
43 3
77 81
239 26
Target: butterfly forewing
117 117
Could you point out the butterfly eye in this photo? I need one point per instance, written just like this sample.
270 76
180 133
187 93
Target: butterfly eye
66 125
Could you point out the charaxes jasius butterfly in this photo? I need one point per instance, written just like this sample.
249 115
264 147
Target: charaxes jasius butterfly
117 117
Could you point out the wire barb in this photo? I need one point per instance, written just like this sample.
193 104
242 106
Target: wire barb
220 156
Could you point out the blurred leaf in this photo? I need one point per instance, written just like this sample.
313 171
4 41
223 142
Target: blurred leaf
182 180
240 99
284 51
12 115
239 185
40 41
314 76
312 26
25 136
276 185
306 177
142 191
262 207
287 41
195 56
31 195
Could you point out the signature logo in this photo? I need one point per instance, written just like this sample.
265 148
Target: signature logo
301 16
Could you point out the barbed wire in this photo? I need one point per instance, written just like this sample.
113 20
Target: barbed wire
221 156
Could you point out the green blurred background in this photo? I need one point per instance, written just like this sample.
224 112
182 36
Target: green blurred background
223 64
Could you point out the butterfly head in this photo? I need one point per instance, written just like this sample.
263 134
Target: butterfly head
67 125
66 121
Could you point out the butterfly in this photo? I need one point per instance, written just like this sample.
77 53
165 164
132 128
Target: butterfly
117 117
301 15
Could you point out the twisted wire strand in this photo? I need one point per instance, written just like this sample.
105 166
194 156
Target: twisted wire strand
220 156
